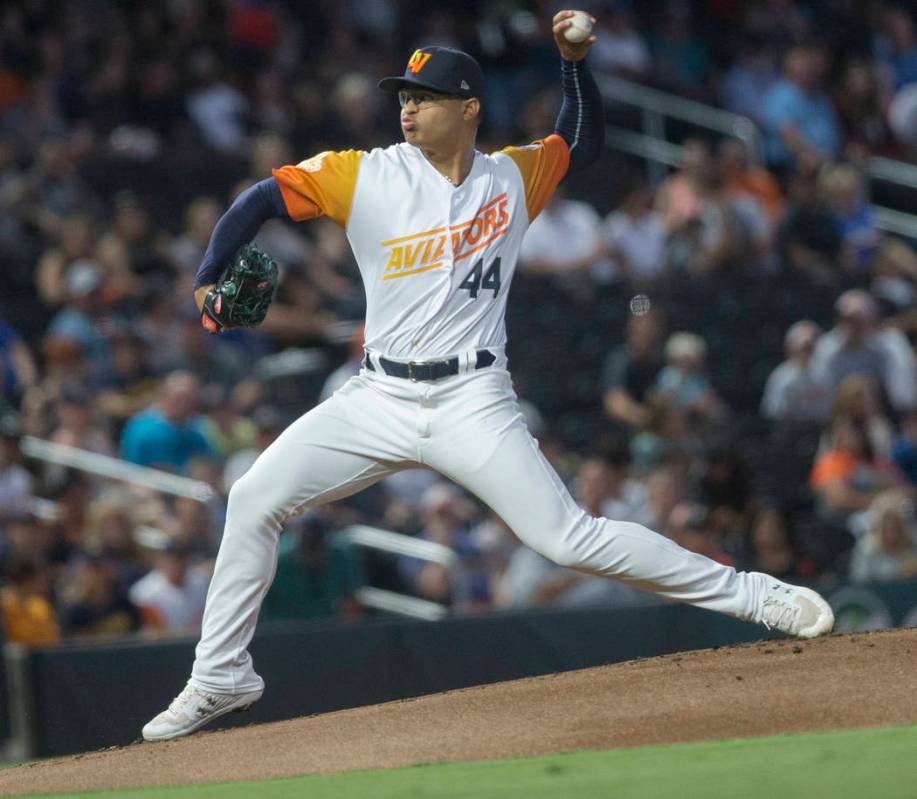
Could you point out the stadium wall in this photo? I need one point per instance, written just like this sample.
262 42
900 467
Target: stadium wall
84 697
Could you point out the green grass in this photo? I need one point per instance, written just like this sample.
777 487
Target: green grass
872 764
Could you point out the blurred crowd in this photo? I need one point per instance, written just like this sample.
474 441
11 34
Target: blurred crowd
737 339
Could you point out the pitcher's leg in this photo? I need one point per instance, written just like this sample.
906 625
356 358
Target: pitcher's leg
518 483
312 462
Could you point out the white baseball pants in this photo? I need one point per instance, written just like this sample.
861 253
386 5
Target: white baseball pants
468 428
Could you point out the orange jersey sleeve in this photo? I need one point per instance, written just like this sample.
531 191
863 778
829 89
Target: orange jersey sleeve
542 165
320 186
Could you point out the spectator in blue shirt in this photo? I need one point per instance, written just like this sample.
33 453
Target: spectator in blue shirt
84 319
168 434
751 77
799 120
844 192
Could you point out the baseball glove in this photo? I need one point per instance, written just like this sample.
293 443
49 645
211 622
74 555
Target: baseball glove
244 293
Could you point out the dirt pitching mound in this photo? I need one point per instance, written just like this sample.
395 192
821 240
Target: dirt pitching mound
757 689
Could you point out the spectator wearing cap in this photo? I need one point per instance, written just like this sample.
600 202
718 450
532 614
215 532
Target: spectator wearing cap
168 435
28 615
850 347
684 377
799 119
83 319
171 597
795 391
857 345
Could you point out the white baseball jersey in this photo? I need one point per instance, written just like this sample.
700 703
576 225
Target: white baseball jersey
436 259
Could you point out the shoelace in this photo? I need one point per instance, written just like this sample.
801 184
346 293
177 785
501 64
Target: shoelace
780 614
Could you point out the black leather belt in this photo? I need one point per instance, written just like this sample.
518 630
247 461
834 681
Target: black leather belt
427 371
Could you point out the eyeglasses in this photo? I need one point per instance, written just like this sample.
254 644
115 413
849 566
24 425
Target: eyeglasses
423 99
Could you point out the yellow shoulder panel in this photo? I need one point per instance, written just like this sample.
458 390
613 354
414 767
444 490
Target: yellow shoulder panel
320 186
542 164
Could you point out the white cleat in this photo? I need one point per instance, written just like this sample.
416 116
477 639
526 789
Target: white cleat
192 709
795 610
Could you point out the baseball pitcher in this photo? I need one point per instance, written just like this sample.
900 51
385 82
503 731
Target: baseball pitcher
436 228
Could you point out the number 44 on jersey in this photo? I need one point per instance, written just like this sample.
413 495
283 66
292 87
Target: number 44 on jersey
479 279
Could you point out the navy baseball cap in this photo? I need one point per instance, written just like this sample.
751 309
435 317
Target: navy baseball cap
442 70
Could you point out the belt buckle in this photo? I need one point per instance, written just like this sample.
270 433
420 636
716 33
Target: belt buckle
411 373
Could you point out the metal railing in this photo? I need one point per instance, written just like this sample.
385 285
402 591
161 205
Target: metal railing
655 108
396 544
116 469
653 146
366 537
891 171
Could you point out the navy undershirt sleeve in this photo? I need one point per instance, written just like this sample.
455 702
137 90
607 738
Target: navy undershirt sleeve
581 121
238 226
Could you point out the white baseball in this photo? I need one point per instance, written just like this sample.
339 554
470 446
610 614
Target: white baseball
580 27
